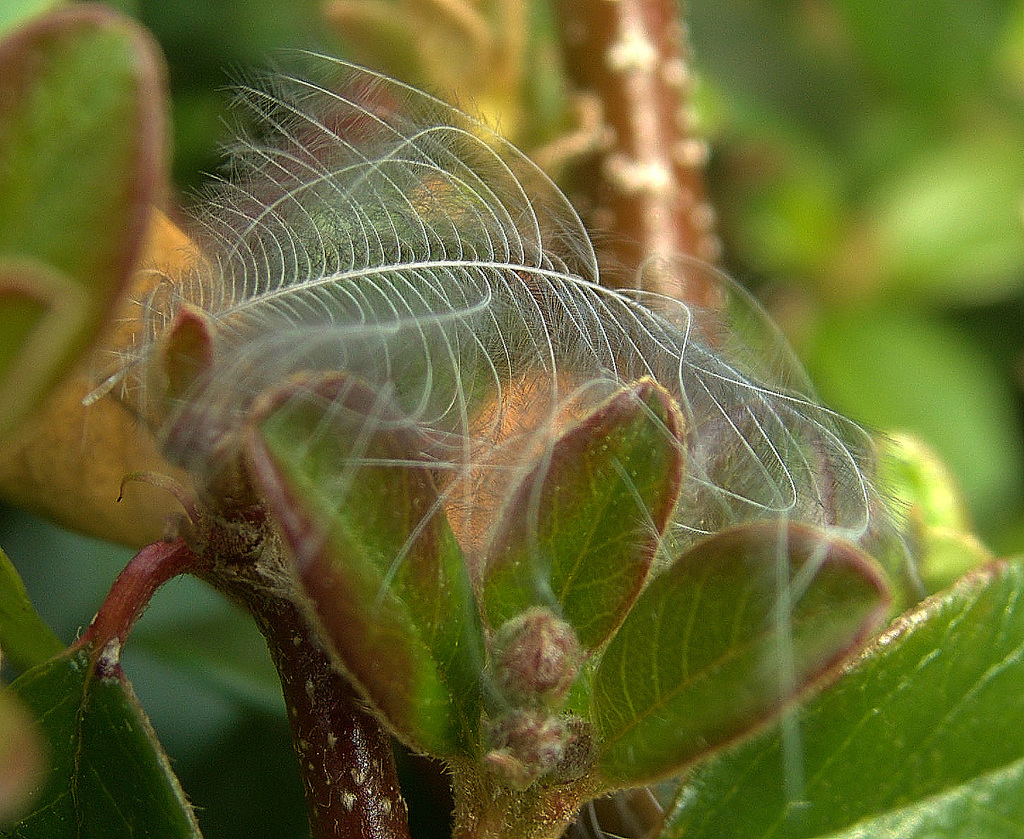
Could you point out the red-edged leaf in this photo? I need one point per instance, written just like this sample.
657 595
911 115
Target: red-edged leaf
739 626
374 552
583 528
81 161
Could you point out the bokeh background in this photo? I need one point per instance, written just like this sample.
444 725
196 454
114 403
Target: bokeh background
868 173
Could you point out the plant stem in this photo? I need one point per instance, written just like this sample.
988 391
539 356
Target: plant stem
134 587
345 755
631 56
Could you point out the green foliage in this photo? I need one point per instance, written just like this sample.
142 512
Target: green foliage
869 167
387 584
920 738
80 161
945 388
582 530
200 670
723 660
702 655
25 639
108 774
893 176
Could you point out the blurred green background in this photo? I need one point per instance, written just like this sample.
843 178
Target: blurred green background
868 173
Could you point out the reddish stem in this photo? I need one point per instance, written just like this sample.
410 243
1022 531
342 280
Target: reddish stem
631 56
345 755
134 587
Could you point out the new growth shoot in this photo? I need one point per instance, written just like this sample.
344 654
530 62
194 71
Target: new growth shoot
473 455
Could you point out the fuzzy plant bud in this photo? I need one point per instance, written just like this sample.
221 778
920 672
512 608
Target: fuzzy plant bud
525 746
536 659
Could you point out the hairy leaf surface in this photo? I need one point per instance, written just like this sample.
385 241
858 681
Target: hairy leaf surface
108 776
581 533
386 578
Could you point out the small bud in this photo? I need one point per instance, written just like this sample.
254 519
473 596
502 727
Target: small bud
187 353
536 659
526 745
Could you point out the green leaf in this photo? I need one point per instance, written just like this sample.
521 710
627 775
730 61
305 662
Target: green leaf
108 777
929 52
376 555
81 139
16 12
715 646
21 311
948 227
24 637
921 738
935 520
584 526
41 312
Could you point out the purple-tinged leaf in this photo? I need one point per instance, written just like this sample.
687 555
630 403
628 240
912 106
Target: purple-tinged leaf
582 529
375 554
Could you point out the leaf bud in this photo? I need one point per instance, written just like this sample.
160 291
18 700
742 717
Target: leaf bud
526 745
536 659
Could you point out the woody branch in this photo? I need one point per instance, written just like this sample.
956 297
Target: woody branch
649 193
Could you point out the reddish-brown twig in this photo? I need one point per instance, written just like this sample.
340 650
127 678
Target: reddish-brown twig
134 587
648 193
344 753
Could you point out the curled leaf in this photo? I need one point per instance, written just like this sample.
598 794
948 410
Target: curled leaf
81 164
81 127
